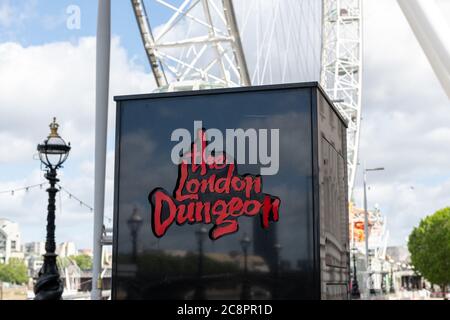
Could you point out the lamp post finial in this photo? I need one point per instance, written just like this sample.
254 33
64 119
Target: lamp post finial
54 128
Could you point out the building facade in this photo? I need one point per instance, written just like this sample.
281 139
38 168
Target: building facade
33 252
10 241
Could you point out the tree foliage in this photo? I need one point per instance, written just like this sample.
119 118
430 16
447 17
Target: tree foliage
83 261
429 245
15 271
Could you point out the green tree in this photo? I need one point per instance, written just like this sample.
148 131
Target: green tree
15 271
83 261
429 245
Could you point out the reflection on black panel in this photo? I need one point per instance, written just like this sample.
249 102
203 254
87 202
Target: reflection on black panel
185 259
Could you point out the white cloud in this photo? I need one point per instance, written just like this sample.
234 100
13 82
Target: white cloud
405 126
57 79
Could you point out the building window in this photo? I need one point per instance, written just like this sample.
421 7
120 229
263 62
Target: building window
13 244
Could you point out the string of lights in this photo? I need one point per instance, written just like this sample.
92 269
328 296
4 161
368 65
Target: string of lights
61 188
75 198
25 188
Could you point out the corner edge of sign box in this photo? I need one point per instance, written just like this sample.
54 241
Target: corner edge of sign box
312 84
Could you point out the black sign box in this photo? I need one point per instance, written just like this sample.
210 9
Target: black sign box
193 221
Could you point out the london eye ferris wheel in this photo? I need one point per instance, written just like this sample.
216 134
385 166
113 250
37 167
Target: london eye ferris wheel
226 43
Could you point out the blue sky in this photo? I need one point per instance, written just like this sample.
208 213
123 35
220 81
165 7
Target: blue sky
36 24
47 70
39 22
45 22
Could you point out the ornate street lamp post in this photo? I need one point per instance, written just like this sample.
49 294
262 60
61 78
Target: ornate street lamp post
277 246
366 229
52 153
134 223
383 285
391 287
245 244
355 293
201 235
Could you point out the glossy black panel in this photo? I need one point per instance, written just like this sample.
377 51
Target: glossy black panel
182 264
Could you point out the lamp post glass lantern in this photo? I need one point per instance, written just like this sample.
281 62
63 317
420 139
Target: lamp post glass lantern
53 152
135 221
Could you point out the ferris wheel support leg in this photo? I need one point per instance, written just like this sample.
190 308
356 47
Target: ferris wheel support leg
432 32
230 16
103 52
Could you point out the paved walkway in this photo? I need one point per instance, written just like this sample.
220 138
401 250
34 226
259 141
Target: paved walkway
412 295
404 295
